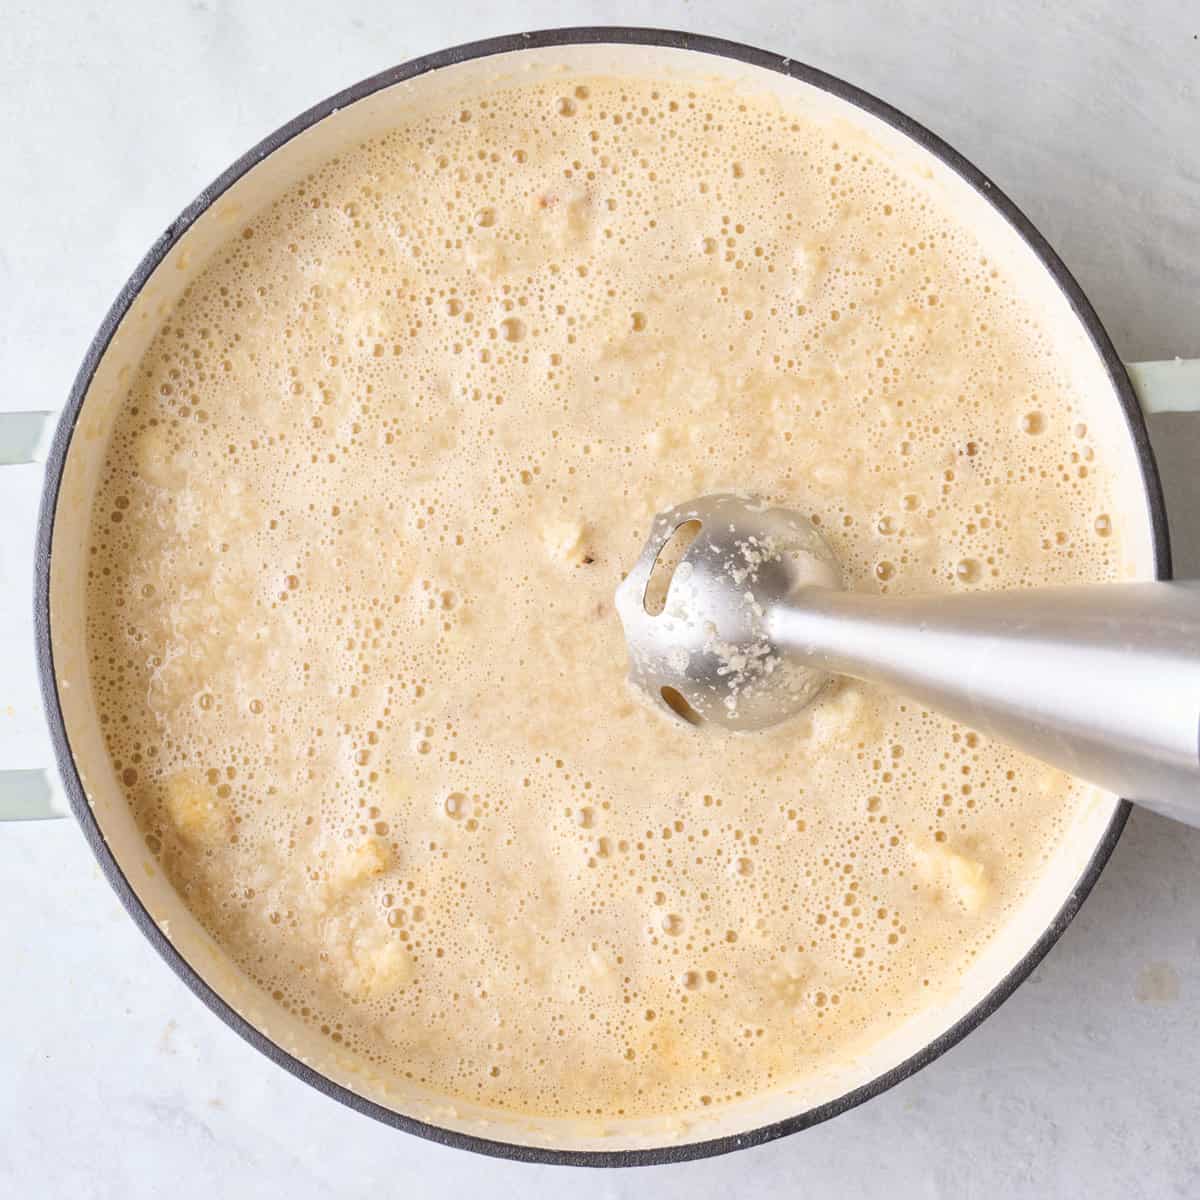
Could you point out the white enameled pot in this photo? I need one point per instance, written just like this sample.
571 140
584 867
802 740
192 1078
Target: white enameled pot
82 781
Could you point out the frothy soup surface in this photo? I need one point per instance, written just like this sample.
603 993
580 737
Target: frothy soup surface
351 627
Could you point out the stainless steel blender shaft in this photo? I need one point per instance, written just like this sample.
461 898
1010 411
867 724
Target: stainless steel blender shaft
1101 681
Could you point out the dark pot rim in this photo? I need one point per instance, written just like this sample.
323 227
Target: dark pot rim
45 534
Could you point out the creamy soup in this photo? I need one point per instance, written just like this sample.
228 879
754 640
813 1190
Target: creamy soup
351 584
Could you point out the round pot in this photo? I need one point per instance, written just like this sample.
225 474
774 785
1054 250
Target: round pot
85 776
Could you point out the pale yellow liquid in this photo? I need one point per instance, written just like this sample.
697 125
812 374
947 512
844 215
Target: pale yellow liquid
351 625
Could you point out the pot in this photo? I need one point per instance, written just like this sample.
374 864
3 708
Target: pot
85 782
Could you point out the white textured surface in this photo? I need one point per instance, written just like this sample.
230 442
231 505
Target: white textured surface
114 1081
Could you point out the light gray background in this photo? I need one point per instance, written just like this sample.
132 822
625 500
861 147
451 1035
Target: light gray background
114 1081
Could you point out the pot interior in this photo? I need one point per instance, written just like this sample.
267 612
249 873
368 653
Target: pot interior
179 261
